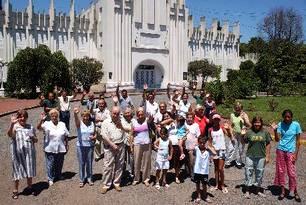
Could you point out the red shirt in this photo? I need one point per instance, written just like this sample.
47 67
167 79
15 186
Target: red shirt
202 124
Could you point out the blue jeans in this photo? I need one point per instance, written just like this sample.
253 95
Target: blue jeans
65 118
254 164
85 157
54 165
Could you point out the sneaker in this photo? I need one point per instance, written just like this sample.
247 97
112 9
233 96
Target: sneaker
118 188
224 190
177 180
197 201
214 188
104 190
50 183
167 186
238 163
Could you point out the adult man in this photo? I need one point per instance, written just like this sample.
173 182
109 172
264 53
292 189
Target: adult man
100 114
200 100
90 103
65 106
114 148
124 100
151 107
200 119
175 98
48 104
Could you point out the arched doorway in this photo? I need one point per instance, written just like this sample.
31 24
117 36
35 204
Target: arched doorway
149 72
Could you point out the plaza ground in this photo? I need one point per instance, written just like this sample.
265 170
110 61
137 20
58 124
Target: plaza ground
68 192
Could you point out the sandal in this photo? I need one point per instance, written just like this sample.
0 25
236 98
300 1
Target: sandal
297 197
167 186
214 188
157 186
224 190
81 184
197 201
15 195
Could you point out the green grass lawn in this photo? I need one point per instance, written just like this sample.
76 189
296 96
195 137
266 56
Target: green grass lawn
260 106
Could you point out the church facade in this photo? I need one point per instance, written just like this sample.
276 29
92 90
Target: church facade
138 41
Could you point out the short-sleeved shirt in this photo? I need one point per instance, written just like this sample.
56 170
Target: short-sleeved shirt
109 130
257 142
151 109
125 103
84 134
199 100
172 132
141 132
89 104
288 134
202 124
65 105
201 165
54 137
183 108
101 114
192 136
49 104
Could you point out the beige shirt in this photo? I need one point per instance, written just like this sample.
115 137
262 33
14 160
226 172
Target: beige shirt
111 132
65 106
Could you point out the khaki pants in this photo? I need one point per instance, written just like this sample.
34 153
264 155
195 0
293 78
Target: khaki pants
99 148
113 163
142 161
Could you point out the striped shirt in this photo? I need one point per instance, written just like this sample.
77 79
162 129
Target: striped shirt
23 152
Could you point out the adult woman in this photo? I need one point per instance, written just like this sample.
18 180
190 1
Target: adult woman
240 121
23 152
142 146
257 155
55 144
85 145
287 134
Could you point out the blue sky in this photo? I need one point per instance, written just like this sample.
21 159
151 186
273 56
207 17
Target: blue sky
248 12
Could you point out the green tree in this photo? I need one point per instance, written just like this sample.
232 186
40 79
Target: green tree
203 68
86 71
33 68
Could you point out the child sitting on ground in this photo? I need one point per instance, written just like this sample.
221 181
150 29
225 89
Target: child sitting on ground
201 167
164 154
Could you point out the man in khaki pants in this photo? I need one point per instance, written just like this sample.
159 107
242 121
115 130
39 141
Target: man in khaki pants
113 137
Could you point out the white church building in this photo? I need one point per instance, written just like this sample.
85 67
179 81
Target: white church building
138 41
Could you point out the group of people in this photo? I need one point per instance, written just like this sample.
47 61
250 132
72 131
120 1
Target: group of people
179 132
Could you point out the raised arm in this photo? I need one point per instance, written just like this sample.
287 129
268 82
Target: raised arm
276 135
117 91
11 131
82 98
76 112
41 120
168 91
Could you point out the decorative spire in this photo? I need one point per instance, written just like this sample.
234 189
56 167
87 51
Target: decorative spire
30 7
72 14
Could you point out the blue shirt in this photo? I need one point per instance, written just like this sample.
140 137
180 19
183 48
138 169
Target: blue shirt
84 132
288 134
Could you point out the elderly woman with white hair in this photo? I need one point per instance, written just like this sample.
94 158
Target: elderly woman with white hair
142 146
55 144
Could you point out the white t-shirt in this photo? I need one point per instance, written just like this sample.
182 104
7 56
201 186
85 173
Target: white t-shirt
151 109
201 165
54 137
218 140
183 108
172 132
158 117
65 106
192 136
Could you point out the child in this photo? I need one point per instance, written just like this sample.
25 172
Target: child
217 141
201 167
163 156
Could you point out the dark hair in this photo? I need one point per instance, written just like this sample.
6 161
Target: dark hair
287 111
169 113
202 139
23 113
255 119
124 90
164 130
190 113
